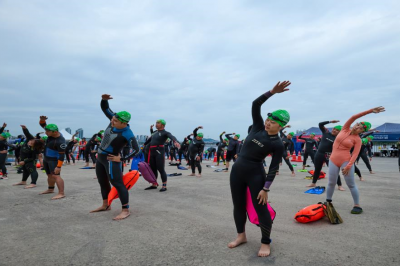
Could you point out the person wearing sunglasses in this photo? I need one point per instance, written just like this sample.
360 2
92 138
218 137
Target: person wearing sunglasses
109 162
156 155
341 158
325 150
310 143
248 170
54 155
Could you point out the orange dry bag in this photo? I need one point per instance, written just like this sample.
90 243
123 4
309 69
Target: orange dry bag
321 175
129 180
311 213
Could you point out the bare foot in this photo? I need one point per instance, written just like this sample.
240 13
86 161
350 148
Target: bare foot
241 239
265 250
277 173
30 186
293 174
341 188
199 175
311 185
20 183
59 196
102 209
191 175
304 167
371 172
124 214
362 179
49 191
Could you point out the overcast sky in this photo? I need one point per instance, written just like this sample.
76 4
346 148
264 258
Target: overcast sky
196 62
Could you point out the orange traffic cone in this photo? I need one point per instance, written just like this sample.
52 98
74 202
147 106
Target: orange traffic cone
215 157
294 157
38 165
299 158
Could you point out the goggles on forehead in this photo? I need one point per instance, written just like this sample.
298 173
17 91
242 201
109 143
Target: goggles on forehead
270 115
120 118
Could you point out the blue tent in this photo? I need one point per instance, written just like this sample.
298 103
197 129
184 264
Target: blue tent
388 132
389 128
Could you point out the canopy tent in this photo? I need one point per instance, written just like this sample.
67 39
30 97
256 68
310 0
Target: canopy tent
65 134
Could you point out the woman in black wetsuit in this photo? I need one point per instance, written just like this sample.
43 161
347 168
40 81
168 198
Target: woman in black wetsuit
248 171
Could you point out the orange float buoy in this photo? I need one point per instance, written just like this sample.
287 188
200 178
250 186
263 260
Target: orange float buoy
129 180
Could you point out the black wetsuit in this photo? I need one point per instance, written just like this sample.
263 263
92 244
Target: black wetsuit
221 149
54 153
68 151
183 150
248 171
29 157
196 148
113 142
156 155
211 151
363 152
289 148
172 150
324 152
90 147
309 150
3 156
233 148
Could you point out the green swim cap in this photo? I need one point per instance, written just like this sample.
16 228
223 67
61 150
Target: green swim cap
312 134
77 139
51 127
370 137
280 116
238 136
291 133
123 116
98 139
364 141
45 137
101 131
226 139
162 121
367 125
200 135
338 127
5 135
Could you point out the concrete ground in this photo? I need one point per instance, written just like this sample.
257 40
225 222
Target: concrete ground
192 223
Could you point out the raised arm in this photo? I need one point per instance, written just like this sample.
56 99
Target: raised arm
3 127
228 136
220 136
281 134
27 134
105 107
258 122
42 121
322 126
375 110
301 136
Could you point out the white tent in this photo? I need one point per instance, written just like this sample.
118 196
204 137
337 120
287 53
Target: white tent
65 134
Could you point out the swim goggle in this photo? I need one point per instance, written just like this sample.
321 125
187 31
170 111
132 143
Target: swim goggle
270 115
120 118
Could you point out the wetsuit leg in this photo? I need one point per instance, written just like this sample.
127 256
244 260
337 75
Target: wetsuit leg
67 157
102 176
3 157
93 157
357 171
312 155
25 173
249 174
318 163
87 151
305 157
193 164
198 165
153 163
72 157
157 162
288 162
364 157
31 169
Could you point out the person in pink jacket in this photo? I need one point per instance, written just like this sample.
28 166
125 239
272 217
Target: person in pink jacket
341 157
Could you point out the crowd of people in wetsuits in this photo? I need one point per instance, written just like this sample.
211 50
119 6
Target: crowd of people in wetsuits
116 144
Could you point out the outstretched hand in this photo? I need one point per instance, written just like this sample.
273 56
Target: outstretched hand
43 117
280 87
379 109
4 124
106 97
23 127
335 121
200 127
